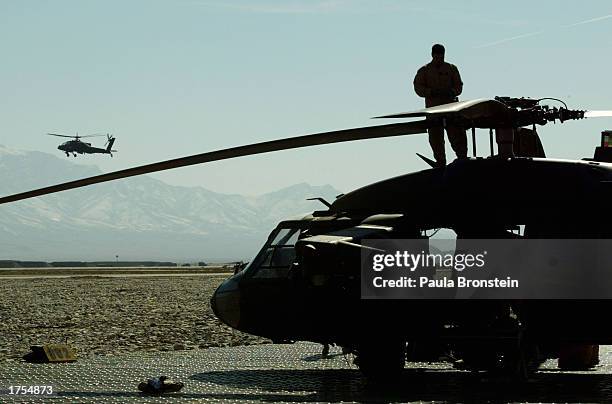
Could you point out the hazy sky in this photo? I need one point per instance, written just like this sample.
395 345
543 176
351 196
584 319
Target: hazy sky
178 77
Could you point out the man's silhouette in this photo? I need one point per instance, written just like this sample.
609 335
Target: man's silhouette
439 83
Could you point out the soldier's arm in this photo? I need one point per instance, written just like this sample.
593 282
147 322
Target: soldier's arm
457 83
420 84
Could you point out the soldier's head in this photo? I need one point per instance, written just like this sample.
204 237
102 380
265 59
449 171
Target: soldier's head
437 53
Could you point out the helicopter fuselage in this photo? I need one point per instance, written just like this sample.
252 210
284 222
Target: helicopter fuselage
304 284
80 147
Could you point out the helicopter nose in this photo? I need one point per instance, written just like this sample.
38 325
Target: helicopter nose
225 302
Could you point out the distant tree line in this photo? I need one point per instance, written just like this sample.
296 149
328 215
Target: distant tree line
64 264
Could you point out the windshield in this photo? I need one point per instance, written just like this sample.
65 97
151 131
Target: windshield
277 255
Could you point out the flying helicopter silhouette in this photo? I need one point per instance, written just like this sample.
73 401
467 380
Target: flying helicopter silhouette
304 284
77 146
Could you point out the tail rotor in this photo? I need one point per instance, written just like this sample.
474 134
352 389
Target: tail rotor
110 140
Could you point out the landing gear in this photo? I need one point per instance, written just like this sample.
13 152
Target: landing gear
521 361
515 358
381 361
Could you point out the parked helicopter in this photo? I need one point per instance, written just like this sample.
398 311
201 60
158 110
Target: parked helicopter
304 284
77 146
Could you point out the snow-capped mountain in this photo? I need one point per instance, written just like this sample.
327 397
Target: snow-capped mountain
136 218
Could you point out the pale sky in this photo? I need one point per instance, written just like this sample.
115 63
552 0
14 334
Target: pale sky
177 77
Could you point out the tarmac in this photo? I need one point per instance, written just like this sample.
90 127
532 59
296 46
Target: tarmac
289 373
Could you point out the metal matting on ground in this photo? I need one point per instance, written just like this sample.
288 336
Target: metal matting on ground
289 373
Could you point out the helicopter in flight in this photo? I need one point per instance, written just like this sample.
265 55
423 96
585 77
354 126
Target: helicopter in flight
77 146
305 282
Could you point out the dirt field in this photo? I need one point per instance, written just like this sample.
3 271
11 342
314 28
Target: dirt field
105 316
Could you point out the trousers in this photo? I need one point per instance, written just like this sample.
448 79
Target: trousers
457 138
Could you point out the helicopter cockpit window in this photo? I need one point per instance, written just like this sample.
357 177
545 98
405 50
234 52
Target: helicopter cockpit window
286 237
441 239
276 258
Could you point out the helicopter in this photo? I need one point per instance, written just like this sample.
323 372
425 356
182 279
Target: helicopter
304 283
77 146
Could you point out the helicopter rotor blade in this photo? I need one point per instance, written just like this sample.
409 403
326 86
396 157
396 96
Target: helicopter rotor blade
55 134
471 108
73 137
479 113
597 114
345 135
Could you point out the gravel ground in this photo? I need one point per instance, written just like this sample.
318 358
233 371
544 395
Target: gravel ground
107 316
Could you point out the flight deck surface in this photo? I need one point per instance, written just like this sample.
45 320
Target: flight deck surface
289 373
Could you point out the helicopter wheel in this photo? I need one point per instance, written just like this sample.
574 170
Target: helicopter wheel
522 361
381 361
519 361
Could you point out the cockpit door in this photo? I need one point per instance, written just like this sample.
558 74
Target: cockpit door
270 303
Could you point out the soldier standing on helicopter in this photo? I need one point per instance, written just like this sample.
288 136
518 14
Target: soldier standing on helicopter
439 83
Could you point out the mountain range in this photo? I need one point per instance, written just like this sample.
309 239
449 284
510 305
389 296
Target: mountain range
139 218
